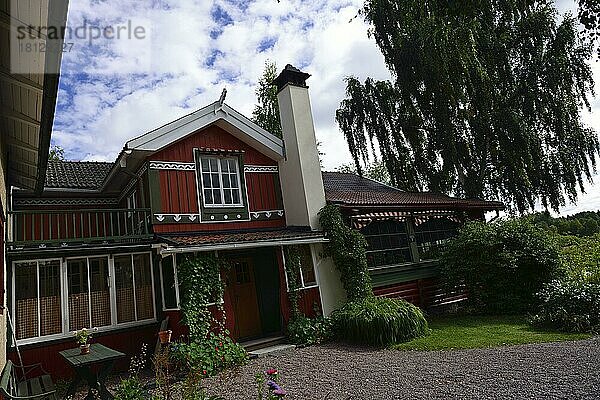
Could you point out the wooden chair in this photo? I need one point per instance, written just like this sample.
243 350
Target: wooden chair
39 387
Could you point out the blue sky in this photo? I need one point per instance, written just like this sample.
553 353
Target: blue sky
118 89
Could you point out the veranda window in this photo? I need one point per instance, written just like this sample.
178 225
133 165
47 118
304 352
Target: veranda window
38 298
220 181
388 243
432 236
133 285
53 298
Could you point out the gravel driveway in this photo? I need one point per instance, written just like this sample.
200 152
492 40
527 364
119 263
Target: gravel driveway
566 370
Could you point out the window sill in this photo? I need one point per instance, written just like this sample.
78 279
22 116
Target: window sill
103 331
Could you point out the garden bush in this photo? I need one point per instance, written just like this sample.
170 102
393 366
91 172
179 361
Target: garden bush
581 257
308 331
379 321
571 306
502 265
210 356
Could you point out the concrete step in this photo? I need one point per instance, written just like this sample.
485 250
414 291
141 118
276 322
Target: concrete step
261 343
271 349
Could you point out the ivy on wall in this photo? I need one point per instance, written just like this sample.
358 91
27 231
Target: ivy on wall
292 267
200 283
347 247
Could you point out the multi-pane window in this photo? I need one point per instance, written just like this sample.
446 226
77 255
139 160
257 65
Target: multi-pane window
53 297
388 243
306 276
220 179
37 298
432 236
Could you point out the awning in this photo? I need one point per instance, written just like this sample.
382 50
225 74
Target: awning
237 240
362 220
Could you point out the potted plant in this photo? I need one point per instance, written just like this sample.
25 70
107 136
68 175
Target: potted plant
165 336
82 337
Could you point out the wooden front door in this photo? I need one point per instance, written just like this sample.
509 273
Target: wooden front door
242 290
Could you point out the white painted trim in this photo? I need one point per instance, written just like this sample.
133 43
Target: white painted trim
233 246
170 165
221 115
260 169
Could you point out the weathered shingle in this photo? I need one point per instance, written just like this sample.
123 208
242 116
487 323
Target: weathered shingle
76 174
351 189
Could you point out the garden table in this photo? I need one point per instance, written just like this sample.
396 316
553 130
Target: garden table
93 368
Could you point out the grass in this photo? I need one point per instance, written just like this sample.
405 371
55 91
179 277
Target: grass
472 332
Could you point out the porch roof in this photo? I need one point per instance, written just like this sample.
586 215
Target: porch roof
183 243
353 190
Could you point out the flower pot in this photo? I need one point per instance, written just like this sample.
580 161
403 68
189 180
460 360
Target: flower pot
165 336
85 348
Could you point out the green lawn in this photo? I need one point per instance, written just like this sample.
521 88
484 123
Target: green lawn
470 332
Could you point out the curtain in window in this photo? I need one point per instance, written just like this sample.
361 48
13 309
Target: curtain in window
26 299
143 287
50 298
99 292
79 306
124 289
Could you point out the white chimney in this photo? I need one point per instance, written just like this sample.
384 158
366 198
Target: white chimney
300 171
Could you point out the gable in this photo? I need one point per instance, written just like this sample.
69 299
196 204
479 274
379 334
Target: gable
216 114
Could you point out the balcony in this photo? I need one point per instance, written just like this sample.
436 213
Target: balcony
51 228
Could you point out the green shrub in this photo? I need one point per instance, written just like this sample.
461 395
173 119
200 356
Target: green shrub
210 356
502 264
569 306
308 331
131 389
581 257
379 321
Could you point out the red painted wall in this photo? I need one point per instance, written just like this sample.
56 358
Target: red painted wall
127 341
423 293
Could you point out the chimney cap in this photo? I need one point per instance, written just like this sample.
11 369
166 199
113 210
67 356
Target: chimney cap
291 76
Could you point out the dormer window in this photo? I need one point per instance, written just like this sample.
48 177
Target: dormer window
221 186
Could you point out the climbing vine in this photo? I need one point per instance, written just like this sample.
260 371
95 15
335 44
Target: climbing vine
201 284
347 247
292 267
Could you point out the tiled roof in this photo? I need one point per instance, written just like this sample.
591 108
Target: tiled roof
241 237
76 174
351 189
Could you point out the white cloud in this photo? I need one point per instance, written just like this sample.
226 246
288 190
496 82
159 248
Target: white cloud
198 47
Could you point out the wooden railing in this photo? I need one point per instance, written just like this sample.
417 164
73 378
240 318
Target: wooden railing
37 227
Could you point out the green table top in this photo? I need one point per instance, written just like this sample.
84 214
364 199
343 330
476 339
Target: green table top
98 354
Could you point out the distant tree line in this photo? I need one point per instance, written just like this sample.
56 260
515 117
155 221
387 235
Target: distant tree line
582 224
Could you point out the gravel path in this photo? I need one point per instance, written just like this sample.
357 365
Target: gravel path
567 370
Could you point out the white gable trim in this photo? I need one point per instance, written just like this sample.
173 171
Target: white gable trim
221 115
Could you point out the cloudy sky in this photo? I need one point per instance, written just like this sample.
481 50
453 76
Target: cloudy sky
113 90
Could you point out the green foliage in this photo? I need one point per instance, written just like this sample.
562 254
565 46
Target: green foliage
379 321
585 223
200 284
131 389
347 247
589 17
211 355
581 257
375 171
502 264
57 153
292 266
485 100
569 306
266 111
308 331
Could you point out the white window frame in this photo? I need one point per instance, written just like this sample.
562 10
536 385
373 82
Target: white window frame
302 286
177 295
221 189
65 300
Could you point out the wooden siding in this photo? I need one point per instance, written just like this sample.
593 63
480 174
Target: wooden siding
128 341
424 293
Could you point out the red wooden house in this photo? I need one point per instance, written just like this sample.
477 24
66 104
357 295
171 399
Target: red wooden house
100 246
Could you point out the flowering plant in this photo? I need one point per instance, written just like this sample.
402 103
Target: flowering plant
269 379
82 336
